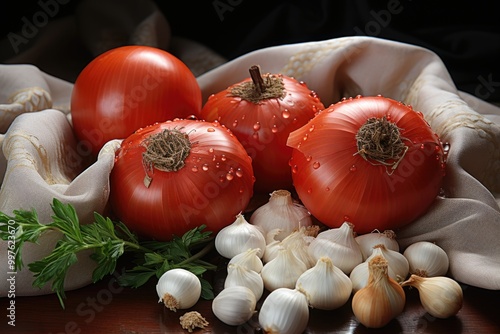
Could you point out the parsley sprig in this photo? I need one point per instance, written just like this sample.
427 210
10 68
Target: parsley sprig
108 241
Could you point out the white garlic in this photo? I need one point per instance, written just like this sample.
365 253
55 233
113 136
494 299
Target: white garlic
282 271
441 297
326 286
381 300
239 237
284 311
427 259
178 289
272 245
296 242
398 267
339 245
281 212
248 259
367 241
241 276
359 276
234 305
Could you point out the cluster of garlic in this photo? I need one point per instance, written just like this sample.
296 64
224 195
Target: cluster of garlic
287 269
425 262
303 270
243 243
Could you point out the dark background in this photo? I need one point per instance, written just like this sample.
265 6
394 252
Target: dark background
466 35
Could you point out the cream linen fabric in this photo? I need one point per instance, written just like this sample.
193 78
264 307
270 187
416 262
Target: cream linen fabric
466 222
44 162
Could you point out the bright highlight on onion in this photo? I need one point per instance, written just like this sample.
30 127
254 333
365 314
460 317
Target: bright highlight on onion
372 161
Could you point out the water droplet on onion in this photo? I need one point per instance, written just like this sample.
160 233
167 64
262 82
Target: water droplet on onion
239 172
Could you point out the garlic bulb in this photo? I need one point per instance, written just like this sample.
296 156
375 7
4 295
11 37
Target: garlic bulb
239 237
441 297
296 242
398 267
248 259
326 286
284 311
272 245
339 245
178 289
241 276
398 264
282 212
427 259
234 305
282 271
381 300
367 241
359 276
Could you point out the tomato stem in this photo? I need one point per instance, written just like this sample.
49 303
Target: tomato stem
379 142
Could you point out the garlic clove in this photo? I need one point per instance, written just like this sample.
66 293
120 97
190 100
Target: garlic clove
248 259
441 297
381 300
281 212
234 305
296 242
282 271
399 267
367 241
284 311
426 259
359 276
241 276
338 244
326 286
239 237
178 289
271 251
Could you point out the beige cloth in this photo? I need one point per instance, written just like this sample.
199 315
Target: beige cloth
44 161
465 223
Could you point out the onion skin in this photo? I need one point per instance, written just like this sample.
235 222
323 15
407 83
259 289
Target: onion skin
337 184
214 185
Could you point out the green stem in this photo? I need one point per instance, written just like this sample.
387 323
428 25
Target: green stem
204 251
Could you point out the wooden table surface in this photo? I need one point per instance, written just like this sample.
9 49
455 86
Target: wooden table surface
105 307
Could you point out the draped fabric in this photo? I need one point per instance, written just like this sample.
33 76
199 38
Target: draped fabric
452 81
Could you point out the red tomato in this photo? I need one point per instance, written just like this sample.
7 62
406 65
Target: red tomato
127 88
375 178
262 121
173 176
